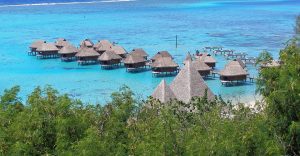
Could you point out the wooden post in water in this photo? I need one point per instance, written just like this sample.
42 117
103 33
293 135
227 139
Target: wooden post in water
176 42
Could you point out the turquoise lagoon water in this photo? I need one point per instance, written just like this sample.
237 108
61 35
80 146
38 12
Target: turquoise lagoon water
151 24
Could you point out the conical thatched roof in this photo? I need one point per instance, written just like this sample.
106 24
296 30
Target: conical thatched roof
207 58
200 65
61 42
119 50
86 52
188 58
86 43
69 49
163 93
109 55
139 52
164 62
241 63
188 84
37 43
161 54
103 45
132 59
47 47
233 68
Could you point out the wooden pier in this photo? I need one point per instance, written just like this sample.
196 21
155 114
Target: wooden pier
249 60
222 52
213 48
236 55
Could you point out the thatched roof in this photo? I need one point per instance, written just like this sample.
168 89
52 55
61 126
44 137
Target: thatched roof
86 43
200 65
119 50
87 52
132 59
273 63
47 47
61 42
233 68
37 43
207 58
161 54
164 62
109 55
188 84
163 93
241 63
188 58
69 49
103 45
139 52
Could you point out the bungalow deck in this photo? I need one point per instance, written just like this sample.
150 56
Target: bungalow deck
48 56
159 74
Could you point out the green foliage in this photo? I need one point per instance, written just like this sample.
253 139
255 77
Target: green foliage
280 88
264 57
53 124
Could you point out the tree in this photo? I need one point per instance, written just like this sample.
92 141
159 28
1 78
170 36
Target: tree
264 58
281 91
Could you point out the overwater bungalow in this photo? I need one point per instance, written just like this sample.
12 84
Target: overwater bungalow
201 67
109 59
61 42
208 59
161 54
87 43
271 64
134 62
68 52
163 92
102 46
34 45
188 58
87 56
139 52
119 50
164 65
188 84
233 71
47 50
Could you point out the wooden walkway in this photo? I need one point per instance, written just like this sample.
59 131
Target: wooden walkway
236 55
223 52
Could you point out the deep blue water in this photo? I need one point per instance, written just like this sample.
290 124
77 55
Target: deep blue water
151 24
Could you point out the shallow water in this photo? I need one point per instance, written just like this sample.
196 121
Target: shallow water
151 24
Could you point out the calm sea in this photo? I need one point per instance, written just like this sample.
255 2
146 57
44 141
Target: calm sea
150 24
